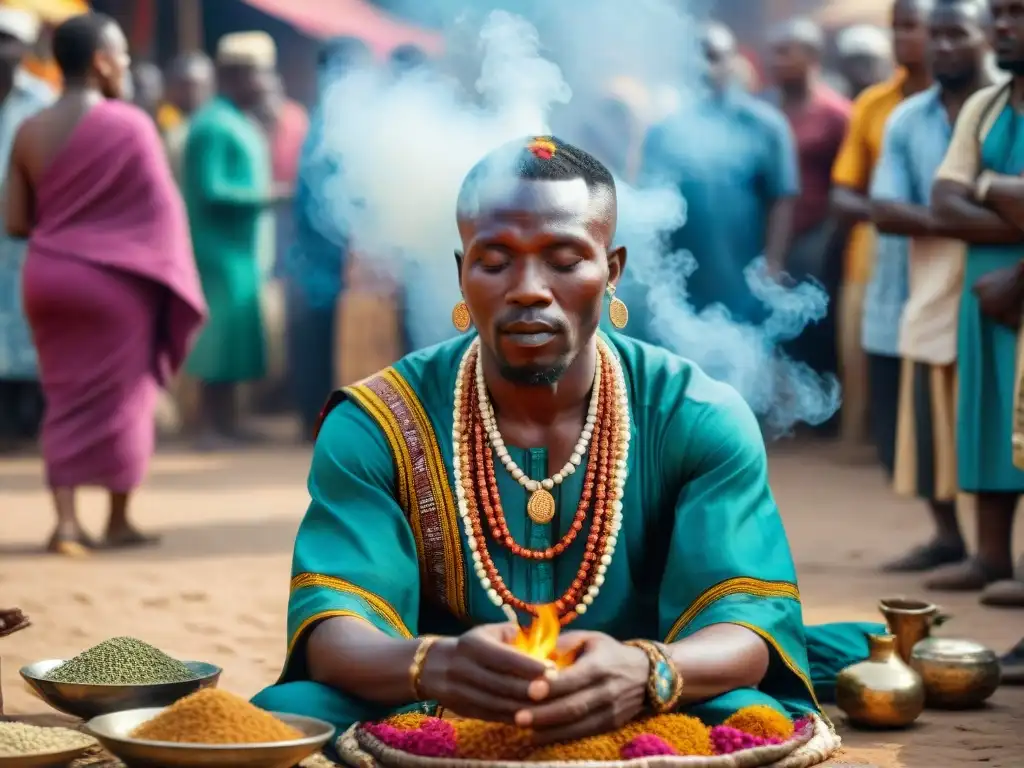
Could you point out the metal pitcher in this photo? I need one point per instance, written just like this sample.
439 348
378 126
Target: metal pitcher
911 621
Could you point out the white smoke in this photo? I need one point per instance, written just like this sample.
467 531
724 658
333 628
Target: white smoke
404 145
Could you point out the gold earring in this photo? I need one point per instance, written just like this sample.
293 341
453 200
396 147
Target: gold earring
460 317
618 312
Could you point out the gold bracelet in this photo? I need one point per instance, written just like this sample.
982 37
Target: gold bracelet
664 683
418 660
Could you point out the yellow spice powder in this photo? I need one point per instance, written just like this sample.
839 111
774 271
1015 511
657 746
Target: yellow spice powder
211 716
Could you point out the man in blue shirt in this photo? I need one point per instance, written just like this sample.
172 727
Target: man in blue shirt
734 160
917 136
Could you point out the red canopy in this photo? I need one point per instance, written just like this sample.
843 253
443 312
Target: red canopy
356 18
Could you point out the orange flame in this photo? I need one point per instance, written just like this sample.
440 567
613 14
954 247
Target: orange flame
540 640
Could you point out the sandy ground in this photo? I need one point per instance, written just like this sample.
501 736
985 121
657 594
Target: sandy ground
216 588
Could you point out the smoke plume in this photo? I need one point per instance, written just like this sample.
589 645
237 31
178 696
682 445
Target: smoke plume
399 146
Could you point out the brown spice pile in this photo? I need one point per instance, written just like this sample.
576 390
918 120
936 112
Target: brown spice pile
211 716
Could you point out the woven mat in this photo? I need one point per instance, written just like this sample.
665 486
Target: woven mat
812 747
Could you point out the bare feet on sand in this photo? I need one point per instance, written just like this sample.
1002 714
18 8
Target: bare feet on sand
70 542
80 544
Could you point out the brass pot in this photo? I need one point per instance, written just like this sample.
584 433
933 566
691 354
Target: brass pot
881 692
957 674
911 621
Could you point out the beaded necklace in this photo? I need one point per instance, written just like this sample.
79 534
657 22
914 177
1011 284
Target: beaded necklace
479 504
541 505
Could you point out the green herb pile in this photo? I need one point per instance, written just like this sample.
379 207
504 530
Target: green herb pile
121 661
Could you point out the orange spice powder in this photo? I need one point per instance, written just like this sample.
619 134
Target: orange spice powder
211 716
761 720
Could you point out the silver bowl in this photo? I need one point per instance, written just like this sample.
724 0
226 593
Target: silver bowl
113 732
87 700
59 759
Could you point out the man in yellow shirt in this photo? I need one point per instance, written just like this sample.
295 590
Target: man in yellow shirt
869 377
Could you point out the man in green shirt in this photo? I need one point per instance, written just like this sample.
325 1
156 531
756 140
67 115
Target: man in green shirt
653 533
229 192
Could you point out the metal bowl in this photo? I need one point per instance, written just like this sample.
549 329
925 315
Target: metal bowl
957 674
58 759
87 700
113 732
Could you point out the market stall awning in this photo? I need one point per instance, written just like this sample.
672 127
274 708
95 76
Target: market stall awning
51 11
357 18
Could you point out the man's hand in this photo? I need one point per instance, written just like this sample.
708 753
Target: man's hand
602 691
1001 295
480 675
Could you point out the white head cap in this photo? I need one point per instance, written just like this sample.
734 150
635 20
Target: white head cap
247 49
864 40
21 25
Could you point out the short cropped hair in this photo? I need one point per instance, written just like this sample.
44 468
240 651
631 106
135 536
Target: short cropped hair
186 63
77 40
540 158
800 31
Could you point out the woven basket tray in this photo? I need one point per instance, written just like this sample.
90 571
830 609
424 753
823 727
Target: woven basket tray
812 746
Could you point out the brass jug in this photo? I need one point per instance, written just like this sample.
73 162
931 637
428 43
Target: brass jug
881 692
911 621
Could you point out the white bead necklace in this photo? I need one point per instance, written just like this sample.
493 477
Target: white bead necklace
617 481
541 505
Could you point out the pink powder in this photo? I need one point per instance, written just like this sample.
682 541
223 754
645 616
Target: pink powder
435 738
726 740
646 745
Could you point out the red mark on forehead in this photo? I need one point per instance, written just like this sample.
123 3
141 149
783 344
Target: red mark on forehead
542 148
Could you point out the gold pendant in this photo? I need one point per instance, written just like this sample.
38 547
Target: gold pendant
541 507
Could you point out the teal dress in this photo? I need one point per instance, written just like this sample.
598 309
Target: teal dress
987 350
702 541
226 183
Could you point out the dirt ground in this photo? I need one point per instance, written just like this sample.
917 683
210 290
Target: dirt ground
216 588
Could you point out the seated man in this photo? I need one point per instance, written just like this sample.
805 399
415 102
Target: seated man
538 461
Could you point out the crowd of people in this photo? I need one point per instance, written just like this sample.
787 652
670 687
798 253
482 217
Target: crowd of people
169 216
840 192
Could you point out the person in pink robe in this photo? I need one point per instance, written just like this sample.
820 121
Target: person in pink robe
111 290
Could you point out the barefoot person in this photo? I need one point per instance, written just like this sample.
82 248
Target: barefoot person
111 291
540 461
